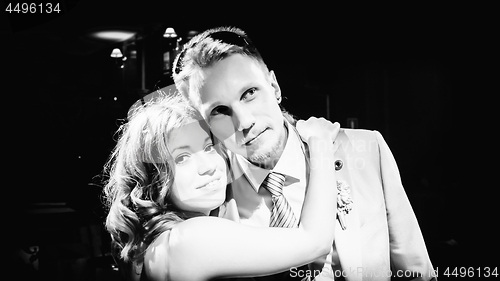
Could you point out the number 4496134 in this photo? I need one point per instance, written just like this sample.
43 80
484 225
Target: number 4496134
471 272
33 8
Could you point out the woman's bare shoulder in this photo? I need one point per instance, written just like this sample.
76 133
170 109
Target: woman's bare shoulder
161 253
156 257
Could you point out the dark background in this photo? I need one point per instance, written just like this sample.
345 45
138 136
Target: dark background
417 73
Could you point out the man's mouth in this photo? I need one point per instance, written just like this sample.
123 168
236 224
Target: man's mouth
251 141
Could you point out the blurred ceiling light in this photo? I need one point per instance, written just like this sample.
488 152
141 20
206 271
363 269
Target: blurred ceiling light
170 33
116 53
118 57
113 35
191 34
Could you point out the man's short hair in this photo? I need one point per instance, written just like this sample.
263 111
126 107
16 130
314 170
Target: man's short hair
203 51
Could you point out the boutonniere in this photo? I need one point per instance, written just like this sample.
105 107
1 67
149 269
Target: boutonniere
344 202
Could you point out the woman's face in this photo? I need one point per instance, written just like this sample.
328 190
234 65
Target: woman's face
200 171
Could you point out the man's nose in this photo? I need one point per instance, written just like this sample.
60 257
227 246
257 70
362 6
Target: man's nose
242 118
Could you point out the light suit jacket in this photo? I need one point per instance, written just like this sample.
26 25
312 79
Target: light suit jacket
382 235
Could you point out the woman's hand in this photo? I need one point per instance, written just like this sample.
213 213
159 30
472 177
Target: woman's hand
318 128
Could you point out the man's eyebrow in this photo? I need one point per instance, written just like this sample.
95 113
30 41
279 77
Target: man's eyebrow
213 105
244 89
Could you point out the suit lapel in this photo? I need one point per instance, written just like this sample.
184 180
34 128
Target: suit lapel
231 211
347 242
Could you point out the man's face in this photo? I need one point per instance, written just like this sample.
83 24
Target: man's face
239 101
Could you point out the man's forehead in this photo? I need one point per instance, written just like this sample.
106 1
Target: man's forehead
235 62
230 76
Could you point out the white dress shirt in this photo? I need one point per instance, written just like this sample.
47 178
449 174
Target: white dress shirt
254 203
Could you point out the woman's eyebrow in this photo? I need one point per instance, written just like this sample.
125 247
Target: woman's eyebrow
180 148
185 147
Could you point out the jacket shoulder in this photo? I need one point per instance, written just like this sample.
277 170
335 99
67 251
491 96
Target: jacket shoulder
361 134
366 142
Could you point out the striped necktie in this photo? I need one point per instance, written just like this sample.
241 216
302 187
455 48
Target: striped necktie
282 213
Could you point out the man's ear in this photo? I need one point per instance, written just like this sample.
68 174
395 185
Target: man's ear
275 85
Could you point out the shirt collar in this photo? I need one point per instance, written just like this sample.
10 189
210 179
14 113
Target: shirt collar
292 152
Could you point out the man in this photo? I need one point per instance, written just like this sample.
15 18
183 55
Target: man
377 234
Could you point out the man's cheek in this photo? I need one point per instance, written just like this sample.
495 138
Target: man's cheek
223 128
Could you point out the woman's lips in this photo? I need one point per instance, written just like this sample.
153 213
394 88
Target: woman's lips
210 184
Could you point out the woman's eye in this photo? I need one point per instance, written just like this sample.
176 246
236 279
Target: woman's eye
181 159
209 148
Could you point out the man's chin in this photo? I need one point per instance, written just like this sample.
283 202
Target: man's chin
264 158
265 155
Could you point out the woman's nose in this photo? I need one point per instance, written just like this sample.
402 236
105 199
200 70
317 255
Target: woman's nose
205 164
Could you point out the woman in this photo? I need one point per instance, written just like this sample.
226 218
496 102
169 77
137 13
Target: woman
165 177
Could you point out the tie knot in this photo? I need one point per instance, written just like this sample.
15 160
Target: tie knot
274 183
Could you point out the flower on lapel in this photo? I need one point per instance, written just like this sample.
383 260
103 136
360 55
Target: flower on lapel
344 202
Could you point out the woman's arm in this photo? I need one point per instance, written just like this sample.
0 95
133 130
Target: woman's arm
208 247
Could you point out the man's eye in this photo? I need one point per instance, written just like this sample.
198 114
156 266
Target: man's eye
250 93
181 159
220 110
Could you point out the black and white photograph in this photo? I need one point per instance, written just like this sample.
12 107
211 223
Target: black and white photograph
173 140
